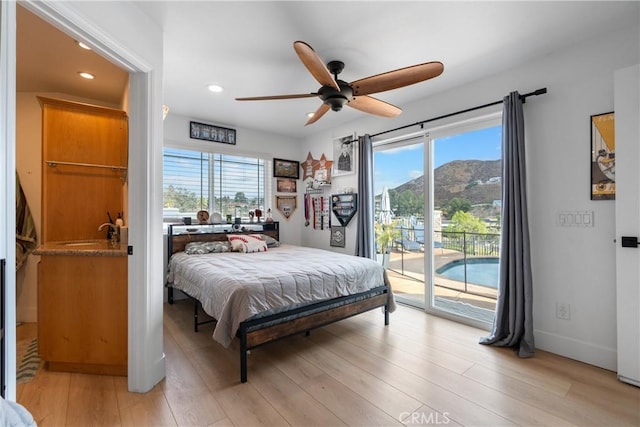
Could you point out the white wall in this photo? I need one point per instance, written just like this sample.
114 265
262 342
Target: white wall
570 265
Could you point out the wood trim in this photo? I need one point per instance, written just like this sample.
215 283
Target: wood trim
87 368
80 106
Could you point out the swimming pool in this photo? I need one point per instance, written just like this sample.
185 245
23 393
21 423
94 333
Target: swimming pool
480 271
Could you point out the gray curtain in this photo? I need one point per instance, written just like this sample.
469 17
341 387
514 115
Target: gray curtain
365 242
513 322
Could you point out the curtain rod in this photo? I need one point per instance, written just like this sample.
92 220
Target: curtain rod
522 97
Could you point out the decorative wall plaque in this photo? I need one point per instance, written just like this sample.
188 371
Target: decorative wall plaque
344 207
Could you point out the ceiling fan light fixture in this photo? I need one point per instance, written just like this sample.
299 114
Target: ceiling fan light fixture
335 93
334 98
215 88
86 75
336 103
310 114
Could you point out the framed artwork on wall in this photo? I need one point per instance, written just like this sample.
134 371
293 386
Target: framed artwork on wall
344 155
286 169
337 237
286 185
603 157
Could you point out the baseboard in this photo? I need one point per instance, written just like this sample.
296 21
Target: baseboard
27 315
581 351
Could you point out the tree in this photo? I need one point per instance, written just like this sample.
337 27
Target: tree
240 197
464 221
406 203
182 199
455 205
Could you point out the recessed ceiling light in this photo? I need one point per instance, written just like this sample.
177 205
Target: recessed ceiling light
215 88
84 75
309 115
84 46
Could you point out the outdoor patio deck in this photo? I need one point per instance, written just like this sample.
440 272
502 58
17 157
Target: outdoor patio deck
406 273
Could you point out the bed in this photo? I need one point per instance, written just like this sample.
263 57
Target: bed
273 293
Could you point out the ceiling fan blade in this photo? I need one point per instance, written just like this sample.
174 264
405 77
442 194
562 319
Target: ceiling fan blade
397 78
371 105
314 64
267 98
319 113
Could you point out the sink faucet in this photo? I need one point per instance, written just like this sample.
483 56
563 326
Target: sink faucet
115 234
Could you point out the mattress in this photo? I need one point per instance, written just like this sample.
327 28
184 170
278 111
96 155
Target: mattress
233 287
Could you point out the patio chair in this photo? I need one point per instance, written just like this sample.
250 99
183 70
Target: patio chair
407 244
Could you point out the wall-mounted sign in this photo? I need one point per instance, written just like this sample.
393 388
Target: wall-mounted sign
212 133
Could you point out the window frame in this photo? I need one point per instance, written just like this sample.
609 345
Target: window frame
213 150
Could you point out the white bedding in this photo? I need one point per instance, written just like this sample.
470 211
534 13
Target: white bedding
233 286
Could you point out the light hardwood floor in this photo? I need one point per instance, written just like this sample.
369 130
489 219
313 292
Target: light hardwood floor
419 370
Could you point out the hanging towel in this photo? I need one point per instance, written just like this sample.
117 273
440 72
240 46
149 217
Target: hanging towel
25 227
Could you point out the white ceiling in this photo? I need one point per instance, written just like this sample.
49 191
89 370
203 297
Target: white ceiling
49 61
247 47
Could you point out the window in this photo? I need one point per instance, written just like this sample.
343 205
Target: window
215 182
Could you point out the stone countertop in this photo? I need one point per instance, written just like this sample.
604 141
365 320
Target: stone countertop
100 247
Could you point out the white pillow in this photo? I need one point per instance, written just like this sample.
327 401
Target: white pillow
247 243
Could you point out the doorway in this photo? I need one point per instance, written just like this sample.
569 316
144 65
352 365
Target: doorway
438 195
146 359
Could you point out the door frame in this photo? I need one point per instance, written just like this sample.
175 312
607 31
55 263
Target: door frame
143 60
469 123
464 123
7 189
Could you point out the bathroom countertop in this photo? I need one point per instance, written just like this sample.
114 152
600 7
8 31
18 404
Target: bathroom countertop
100 247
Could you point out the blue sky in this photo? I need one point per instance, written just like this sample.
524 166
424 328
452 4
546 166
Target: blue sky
397 166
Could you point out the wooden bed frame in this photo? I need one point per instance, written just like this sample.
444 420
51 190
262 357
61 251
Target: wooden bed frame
257 331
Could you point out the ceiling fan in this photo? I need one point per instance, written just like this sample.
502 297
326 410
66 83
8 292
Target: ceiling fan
335 93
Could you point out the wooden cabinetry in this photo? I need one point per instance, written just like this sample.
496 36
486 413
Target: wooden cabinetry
82 298
84 164
82 313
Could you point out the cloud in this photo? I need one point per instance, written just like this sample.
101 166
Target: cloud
397 150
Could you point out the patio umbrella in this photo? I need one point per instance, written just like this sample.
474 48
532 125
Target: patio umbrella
385 207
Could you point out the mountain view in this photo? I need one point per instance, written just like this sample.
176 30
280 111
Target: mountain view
477 181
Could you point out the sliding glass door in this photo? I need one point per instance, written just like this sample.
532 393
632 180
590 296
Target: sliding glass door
465 202
399 224
438 199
